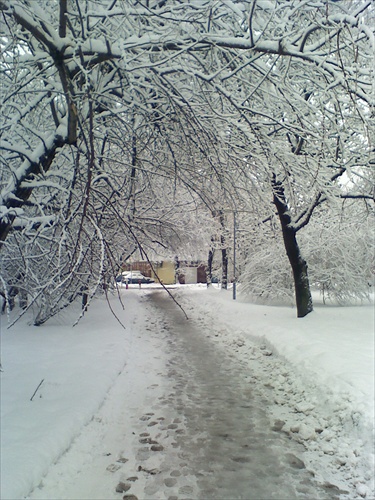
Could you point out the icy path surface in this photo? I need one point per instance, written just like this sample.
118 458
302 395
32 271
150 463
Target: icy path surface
228 443
193 426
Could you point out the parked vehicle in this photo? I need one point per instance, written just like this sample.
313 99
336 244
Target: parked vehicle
133 277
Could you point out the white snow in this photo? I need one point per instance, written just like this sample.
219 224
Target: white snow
329 380
31 157
319 371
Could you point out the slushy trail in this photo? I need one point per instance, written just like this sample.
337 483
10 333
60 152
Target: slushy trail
228 444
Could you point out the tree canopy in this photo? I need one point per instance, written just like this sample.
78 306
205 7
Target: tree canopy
108 105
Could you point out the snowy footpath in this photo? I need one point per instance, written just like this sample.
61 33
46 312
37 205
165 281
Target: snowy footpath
238 401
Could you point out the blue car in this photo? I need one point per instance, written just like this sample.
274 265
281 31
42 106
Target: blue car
133 277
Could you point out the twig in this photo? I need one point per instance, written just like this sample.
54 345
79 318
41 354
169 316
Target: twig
36 390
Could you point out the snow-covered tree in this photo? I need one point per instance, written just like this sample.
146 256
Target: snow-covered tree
301 109
94 91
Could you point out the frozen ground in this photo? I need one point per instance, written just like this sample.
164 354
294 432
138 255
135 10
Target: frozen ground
176 409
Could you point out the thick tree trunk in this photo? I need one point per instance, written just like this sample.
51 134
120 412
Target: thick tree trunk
209 267
224 253
298 264
85 299
224 266
299 267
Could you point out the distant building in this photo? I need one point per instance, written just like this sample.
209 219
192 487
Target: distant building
191 272
170 271
165 271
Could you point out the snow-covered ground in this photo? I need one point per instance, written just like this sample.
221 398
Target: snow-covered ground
318 373
325 393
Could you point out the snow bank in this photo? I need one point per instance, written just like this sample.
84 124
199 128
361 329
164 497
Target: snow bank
325 399
77 366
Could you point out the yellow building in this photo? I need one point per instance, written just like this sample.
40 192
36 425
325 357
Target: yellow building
166 272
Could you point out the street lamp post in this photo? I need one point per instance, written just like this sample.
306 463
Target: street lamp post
234 256
235 211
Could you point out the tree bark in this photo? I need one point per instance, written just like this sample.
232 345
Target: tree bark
224 252
224 266
298 264
209 267
21 194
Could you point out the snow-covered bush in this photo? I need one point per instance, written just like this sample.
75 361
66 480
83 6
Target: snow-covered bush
265 271
341 258
338 248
